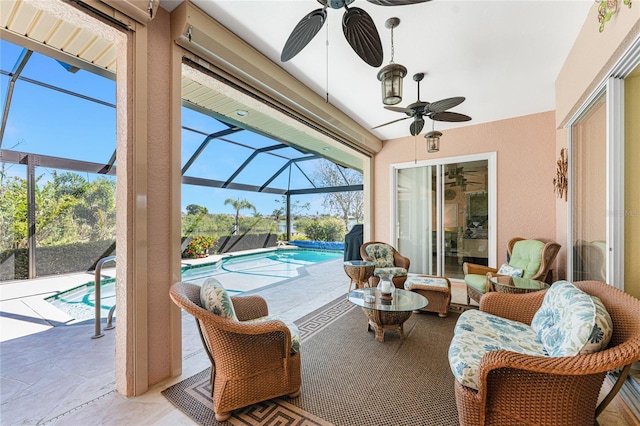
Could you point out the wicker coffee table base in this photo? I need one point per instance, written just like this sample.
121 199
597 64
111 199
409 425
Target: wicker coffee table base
380 321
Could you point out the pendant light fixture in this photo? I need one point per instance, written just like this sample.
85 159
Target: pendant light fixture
391 75
433 139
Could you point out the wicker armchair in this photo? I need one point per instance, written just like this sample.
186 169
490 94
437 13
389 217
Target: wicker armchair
477 276
251 362
517 389
372 251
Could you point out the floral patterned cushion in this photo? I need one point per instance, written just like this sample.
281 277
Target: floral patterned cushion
507 269
424 281
571 322
382 255
295 333
477 333
396 272
214 298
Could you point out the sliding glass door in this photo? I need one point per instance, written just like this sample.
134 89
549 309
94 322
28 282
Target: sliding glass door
442 215
589 193
416 193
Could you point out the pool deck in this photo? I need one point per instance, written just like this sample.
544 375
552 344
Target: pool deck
58 375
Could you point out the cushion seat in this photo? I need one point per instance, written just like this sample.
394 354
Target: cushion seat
393 271
478 282
475 336
569 322
437 290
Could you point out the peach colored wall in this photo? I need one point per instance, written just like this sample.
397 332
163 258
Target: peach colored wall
525 148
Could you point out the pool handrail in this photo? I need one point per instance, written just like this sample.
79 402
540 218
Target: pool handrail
98 332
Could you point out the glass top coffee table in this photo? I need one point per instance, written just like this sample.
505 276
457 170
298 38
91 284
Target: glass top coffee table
387 314
508 284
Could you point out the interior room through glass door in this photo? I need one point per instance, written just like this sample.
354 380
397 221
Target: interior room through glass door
443 216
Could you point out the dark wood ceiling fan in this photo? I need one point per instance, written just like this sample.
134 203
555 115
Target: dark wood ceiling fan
436 111
357 25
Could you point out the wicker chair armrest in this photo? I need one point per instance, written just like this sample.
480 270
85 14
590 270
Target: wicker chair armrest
400 261
250 307
517 307
579 365
473 268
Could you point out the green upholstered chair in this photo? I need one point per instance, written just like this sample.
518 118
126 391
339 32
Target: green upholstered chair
387 260
533 257
589 261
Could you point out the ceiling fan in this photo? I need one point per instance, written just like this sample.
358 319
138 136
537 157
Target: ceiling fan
436 111
453 171
462 181
357 25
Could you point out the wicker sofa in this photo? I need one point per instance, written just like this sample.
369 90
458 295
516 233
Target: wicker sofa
516 386
254 357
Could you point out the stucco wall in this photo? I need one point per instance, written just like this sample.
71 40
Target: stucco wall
525 148
159 200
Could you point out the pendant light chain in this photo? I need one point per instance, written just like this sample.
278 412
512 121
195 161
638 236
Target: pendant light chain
392 48
327 61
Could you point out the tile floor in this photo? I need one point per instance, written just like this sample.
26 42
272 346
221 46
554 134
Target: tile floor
43 382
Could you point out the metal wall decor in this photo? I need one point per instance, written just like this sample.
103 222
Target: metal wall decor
608 8
561 180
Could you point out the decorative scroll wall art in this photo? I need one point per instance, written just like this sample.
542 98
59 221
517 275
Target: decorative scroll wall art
560 181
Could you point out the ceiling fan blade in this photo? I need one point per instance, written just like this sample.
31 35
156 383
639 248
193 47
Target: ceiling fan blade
416 126
396 2
391 122
445 104
453 117
410 112
302 34
362 35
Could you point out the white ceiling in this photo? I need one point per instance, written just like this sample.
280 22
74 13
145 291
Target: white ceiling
503 56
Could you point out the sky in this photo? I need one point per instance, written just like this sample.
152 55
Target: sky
48 122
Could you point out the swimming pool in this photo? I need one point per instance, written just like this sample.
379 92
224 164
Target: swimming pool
237 273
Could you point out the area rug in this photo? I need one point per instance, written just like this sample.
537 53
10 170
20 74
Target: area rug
349 378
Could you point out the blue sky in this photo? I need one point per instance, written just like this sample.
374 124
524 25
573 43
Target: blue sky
48 122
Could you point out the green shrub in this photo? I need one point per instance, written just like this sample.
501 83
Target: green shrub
326 229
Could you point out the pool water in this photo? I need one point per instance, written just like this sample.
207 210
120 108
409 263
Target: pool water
237 274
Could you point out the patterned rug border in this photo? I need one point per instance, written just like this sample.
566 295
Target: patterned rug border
312 323
272 412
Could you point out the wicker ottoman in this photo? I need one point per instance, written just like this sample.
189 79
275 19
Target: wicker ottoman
437 290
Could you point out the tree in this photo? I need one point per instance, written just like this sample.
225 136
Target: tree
238 205
296 208
197 210
345 204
